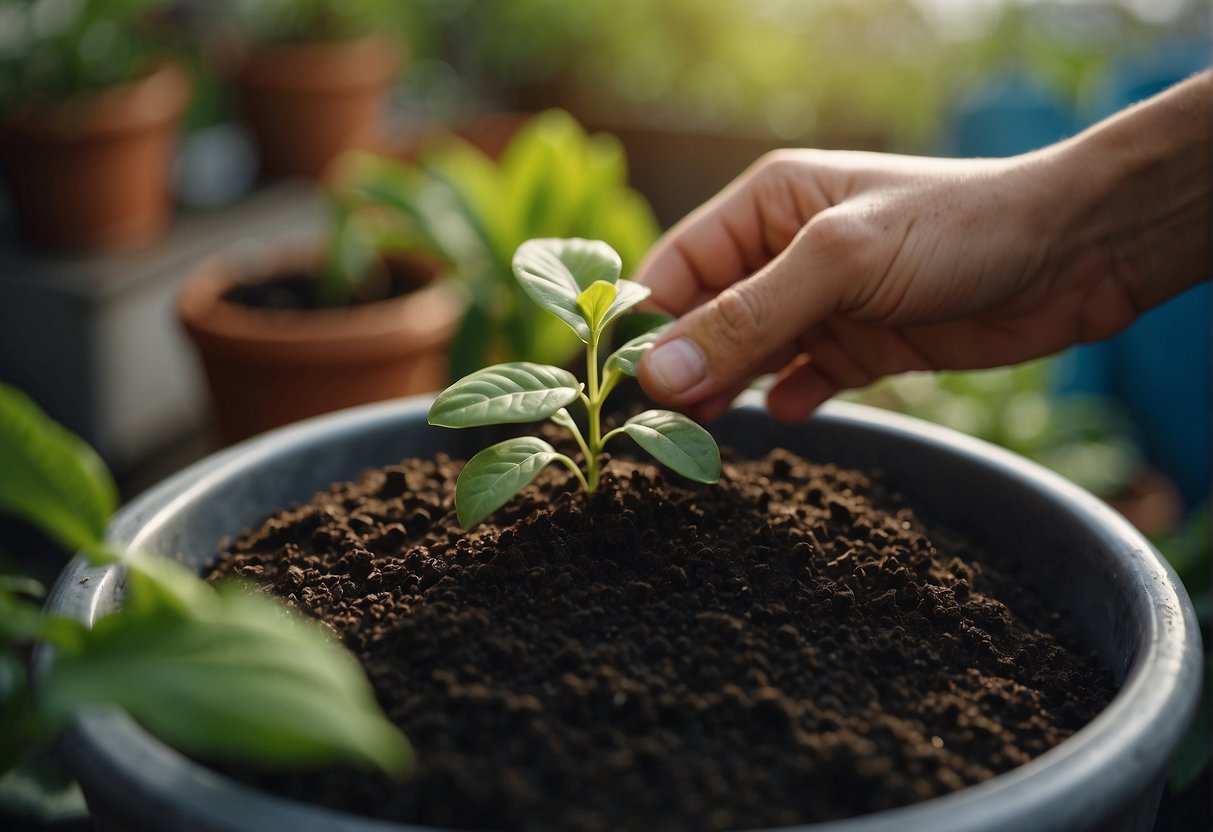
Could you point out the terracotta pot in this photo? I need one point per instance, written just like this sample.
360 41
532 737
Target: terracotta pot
268 367
94 173
306 103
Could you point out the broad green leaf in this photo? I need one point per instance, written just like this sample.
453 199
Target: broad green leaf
554 272
496 474
242 678
625 359
595 302
50 477
677 442
504 394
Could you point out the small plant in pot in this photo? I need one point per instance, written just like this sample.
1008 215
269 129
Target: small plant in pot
90 101
294 331
220 672
312 77
617 645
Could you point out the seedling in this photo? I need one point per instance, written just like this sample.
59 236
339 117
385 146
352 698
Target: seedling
577 281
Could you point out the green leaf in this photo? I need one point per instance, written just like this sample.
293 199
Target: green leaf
554 272
625 359
241 678
50 477
350 259
595 302
496 474
21 620
504 394
677 442
158 585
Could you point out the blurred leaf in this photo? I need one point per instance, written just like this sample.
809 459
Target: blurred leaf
39 790
473 342
20 618
350 260
240 678
496 474
473 184
50 477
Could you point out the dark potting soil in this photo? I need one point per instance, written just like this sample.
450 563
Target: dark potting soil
300 291
794 644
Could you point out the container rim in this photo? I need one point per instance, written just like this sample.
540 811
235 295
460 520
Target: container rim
117 762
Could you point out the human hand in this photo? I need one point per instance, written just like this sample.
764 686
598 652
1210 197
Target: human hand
832 269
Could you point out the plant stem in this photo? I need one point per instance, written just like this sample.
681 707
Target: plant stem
593 411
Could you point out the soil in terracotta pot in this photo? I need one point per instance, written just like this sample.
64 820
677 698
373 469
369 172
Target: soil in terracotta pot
300 290
795 644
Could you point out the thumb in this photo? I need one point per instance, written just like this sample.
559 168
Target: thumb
749 328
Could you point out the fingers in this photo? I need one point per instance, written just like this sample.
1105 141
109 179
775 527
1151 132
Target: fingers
727 341
730 237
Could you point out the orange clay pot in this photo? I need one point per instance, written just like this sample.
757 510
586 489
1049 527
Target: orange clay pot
94 173
268 367
306 103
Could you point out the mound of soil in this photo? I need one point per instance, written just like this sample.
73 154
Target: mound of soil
794 644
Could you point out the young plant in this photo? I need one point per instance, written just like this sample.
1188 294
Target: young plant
577 281
216 671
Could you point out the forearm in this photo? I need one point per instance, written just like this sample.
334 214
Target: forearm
1137 188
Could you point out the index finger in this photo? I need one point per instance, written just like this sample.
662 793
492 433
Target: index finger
718 244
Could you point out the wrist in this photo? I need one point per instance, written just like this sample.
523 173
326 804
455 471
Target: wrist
1137 194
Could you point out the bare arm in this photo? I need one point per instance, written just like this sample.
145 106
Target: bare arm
833 269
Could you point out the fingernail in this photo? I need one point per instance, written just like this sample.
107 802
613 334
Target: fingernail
678 365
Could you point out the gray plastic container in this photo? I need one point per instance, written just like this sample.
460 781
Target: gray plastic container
1087 561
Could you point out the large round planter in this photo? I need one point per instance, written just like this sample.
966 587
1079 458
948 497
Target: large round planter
266 368
94 173
1088 562
306 103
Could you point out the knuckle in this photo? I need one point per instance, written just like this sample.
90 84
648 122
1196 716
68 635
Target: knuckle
739 319
837 234
777 163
